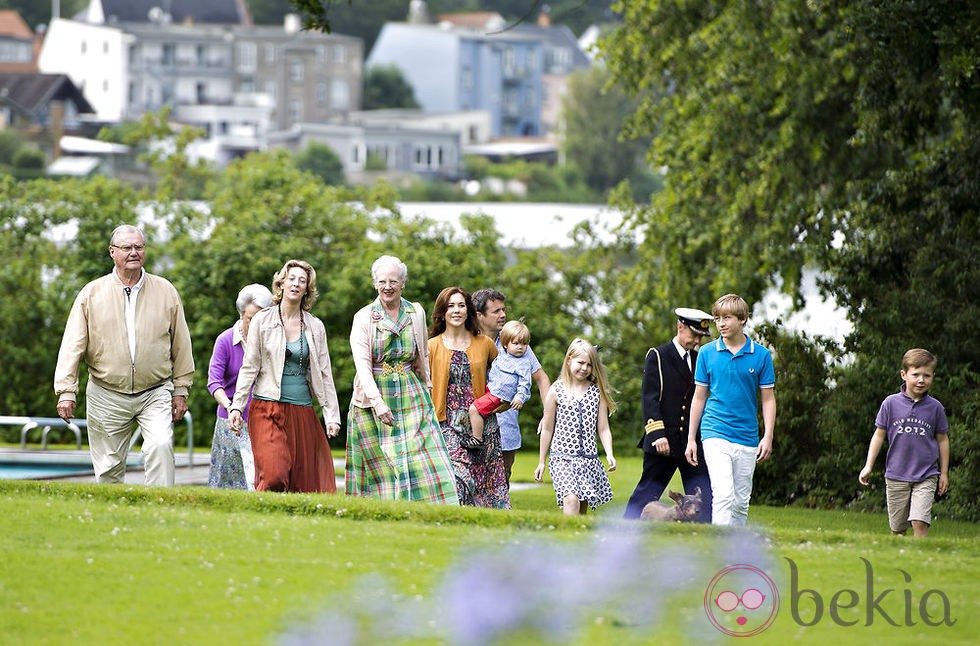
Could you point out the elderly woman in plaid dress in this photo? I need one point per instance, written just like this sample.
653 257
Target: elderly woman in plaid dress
395 448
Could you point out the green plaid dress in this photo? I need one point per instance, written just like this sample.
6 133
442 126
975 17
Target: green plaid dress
407 461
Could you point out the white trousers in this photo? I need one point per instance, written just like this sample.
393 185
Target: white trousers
112 417
730 467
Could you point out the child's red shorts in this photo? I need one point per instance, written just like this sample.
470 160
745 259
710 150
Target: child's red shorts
487 404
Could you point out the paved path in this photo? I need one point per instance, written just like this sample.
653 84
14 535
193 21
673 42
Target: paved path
198 474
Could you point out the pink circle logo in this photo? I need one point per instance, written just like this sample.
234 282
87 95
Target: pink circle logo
741 601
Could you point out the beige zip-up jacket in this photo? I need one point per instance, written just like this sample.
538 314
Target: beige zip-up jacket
265 358
96 333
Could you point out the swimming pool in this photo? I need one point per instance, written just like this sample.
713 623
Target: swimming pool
21 464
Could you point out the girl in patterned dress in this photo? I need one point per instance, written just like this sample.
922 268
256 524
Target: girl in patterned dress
577 407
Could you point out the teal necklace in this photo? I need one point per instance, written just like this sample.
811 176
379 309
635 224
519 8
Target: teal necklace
302 345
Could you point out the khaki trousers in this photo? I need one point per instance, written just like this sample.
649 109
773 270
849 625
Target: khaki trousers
112 417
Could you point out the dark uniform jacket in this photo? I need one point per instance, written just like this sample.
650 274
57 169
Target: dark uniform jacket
668 387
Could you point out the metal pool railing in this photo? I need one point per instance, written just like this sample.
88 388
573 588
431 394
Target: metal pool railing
46 424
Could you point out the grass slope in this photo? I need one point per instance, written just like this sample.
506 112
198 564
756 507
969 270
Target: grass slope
86 564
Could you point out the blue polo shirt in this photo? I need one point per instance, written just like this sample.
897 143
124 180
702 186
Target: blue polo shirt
733 382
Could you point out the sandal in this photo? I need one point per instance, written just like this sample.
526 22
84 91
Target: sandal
471 442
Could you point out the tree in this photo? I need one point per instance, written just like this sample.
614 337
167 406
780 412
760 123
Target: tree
321 161
385 87
595 113
842 135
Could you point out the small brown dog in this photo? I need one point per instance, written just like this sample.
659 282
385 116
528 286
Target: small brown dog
685 509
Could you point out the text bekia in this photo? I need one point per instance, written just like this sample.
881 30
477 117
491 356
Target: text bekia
875 604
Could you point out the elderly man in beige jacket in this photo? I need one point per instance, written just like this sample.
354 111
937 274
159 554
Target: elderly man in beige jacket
129 328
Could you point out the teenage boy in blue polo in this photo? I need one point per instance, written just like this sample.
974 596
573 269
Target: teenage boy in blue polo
729 374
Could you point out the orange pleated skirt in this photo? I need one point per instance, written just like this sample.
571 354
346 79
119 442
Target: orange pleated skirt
290 448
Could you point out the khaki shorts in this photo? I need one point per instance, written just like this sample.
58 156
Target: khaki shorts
908 501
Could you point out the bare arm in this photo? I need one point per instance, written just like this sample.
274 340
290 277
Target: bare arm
697 409
943 440
605 435
768 422
877 441
540 378
547 429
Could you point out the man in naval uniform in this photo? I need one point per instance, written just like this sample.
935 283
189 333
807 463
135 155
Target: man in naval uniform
668 386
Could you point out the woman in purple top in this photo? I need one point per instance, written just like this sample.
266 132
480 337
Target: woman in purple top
231 455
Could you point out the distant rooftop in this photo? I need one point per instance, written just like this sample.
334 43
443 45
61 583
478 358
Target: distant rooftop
223 12
13 26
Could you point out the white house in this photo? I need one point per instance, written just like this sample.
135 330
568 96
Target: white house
95 58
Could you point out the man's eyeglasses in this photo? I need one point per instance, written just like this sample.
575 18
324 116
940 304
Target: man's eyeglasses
127 248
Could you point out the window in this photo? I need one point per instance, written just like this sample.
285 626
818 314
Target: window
295 110
248 85
321 92
339 95
246 57
339 54
201 92
270 89
510 61
270 53
295 70
169 54
201 53
321 54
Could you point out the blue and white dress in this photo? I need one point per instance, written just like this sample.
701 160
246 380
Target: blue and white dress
574 460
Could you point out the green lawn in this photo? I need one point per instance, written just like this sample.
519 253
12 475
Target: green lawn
85 564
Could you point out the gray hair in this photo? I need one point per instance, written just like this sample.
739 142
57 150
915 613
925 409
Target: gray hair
389 261
254 294
127 228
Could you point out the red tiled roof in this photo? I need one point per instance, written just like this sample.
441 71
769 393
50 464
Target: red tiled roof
11 24
472 19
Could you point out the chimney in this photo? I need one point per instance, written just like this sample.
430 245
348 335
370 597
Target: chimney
56 125
544 16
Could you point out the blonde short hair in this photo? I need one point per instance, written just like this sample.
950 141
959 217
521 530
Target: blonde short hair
514 331
731 304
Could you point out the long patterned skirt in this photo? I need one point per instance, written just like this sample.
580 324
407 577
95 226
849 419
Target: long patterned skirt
481 478
406 461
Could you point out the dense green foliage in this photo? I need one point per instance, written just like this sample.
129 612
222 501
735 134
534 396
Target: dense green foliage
837 135
320 160
595 114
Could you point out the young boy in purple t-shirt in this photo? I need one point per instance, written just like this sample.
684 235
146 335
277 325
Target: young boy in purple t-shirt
917 462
